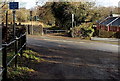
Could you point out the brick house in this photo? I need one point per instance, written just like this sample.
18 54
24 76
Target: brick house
111 23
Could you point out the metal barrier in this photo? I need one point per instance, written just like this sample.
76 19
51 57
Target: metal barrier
54 31
19 46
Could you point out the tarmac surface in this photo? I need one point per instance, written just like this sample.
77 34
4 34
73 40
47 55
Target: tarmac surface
74 59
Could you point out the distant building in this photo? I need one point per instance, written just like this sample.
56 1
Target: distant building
111 23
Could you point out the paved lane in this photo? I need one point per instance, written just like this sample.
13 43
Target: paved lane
75 59
49 42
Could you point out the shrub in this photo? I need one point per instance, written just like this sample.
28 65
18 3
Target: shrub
83 30
106 34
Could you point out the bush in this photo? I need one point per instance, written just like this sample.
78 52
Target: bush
117 35
106 34
84 30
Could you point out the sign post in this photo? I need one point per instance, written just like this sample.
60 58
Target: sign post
13 6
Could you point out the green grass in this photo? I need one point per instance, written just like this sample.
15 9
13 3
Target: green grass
33 56
19 72
10 55
23 71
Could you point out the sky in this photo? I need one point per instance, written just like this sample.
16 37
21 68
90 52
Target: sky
31 3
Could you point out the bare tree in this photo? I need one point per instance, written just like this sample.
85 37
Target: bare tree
2 3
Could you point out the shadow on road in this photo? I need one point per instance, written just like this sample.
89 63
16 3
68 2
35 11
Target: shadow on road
69 63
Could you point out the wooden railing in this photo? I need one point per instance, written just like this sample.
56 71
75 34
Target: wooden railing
17 45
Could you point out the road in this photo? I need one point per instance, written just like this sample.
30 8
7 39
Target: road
75 58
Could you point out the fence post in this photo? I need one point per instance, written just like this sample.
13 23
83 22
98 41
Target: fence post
16 50
24 42
4 62
21 46
28 29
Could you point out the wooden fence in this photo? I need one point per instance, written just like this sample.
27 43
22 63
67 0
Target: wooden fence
11 46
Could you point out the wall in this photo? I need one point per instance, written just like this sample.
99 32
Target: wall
34 30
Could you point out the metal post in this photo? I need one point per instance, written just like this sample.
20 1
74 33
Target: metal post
16 43
4 63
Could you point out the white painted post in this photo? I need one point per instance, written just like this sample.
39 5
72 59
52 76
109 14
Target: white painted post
72 20
72 33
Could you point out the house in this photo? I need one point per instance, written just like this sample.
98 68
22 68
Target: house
111 23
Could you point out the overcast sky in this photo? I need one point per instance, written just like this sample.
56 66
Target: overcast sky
31 3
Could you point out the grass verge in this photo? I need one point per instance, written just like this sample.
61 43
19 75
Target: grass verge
23 72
